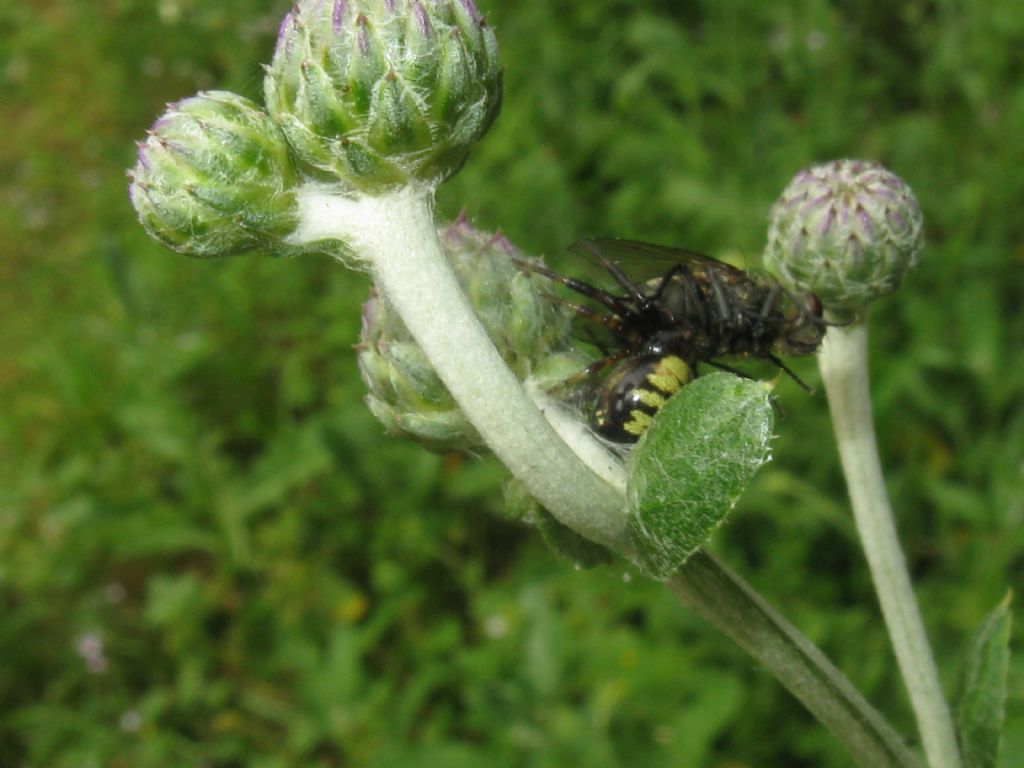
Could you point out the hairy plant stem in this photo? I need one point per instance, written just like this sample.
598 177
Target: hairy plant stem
566 470
397 237
844 370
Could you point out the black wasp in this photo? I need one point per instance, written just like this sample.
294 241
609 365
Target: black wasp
657 330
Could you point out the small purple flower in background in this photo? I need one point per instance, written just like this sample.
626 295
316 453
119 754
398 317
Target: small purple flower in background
115 592
89 646
130 721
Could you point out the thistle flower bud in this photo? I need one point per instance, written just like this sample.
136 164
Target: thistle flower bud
213 177
379 93
847 231
403 391
531 333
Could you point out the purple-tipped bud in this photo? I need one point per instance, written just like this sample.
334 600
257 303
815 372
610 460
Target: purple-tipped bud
338 15
422 20
384 93
847 231
214 178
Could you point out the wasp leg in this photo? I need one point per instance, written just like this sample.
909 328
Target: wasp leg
679 270
612 322
760 318
803 385
776 403
726 304
777 406
601 346
694 302
602 297
616 272
770 300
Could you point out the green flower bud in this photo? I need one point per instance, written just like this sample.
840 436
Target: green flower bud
403 391
518 314
380 93
213 177
531 332
847 231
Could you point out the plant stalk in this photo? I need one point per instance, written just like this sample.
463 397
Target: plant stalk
396 236
844 370
567 470
730 604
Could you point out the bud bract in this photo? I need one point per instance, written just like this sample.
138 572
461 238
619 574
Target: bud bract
403 391
213 177
380 93
847 231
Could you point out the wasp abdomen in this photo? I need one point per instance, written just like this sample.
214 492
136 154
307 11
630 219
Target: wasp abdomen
634 392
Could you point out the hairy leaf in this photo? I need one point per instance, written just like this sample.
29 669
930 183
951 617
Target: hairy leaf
692 465
983 697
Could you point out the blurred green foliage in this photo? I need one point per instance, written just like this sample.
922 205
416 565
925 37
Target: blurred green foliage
210 555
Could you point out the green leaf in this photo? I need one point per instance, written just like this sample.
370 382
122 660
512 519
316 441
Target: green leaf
691 466
566 542
983 693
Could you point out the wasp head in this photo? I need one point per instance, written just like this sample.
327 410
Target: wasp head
803 328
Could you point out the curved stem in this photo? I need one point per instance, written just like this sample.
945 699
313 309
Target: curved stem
728 602
564 468
844 370
396 235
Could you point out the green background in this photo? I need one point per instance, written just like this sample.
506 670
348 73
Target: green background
211 556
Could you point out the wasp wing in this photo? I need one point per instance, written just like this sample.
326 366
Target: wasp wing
644 261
